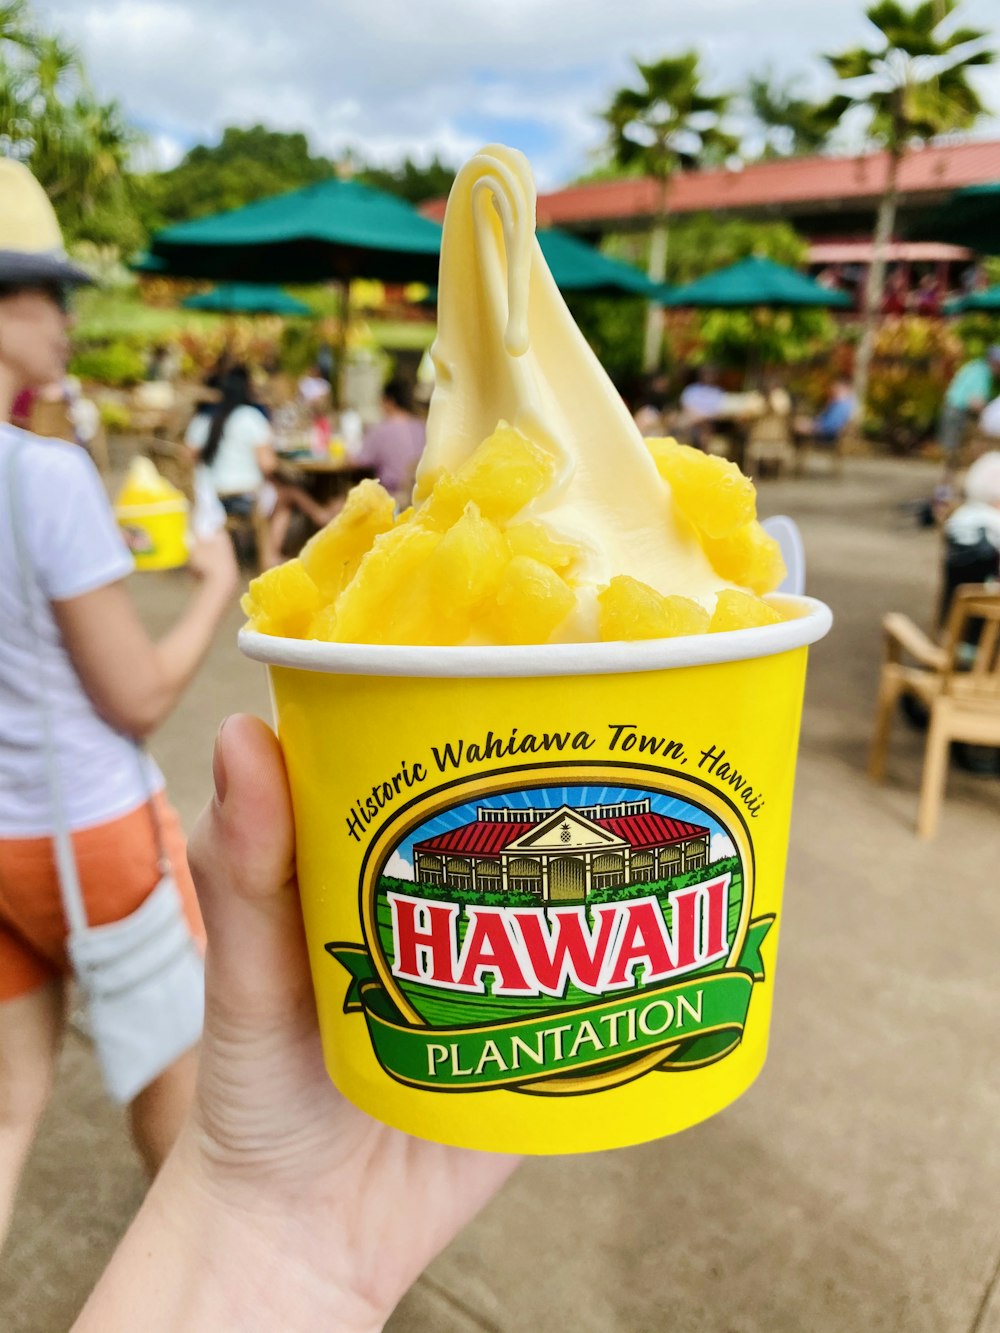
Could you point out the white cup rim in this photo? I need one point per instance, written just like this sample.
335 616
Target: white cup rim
547 659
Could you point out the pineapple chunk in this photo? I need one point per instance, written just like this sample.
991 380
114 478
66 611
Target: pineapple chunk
331 557
741 610
749 557
540 543
391 598
501 476
466 566
282 601
628 609
530 603
712 492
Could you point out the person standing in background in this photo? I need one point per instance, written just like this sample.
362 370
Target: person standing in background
968 393
74 649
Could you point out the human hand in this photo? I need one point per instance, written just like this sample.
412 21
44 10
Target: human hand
295 1210
212 560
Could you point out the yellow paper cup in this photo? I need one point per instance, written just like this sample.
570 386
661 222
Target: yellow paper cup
542 885
156 534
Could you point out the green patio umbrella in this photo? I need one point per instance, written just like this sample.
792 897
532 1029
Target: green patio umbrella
578 267
755 282
246 298
334 230
987 300
971 217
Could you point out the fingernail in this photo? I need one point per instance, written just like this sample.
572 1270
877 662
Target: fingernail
219 766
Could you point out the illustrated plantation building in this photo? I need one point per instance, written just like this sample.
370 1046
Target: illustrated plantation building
561 854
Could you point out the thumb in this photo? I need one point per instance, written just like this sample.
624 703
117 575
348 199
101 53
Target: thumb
242 856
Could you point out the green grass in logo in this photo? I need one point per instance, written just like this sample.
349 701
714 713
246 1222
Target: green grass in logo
443 1008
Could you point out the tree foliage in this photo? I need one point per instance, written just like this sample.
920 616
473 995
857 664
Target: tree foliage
669 122
78 146
411 180
244 166
912 83
791 125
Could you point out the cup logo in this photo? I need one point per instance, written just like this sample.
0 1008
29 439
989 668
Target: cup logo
556 932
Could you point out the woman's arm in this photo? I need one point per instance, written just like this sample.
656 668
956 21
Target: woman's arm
267 459
133 682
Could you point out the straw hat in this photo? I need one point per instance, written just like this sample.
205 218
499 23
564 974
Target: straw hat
31 244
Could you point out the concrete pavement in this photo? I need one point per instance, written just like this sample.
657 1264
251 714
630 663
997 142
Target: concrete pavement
854 1188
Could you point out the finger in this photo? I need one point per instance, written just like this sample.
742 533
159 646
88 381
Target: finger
242 855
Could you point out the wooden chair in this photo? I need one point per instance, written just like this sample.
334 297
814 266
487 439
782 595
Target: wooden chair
958 682
256 525
769 443
173 461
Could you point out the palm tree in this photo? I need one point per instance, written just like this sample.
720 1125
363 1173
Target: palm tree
665 125
913 85
15 25
792 125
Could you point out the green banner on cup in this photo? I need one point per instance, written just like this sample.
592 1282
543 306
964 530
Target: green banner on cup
694 1021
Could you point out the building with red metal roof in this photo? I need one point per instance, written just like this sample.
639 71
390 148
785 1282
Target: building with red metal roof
561 854
833 198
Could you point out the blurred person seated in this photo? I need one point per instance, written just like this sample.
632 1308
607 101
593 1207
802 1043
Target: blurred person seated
393 446
234 447
896 295
989 420
701 402
826 428
972 555
314 387
927 301
703 398
651 403
972 533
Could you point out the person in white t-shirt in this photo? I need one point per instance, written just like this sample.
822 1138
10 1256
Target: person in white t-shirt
233 446
73 645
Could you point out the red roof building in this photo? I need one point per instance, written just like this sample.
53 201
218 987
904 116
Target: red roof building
821 196
562 854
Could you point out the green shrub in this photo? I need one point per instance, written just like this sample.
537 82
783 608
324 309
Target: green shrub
115 417
117 364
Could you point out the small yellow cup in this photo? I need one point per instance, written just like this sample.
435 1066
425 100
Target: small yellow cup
156 533
542 885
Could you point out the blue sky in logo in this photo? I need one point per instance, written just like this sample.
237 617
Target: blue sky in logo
552 798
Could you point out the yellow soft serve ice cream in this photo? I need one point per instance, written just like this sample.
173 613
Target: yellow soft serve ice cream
540 513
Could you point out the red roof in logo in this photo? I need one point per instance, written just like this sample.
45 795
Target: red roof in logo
482 838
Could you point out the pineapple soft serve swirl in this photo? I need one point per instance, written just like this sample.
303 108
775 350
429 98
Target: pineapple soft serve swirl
508 349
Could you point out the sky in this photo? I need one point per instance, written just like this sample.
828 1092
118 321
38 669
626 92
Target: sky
394 77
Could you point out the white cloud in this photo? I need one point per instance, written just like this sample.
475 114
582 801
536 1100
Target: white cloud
398 866
721 846
389 77
159 152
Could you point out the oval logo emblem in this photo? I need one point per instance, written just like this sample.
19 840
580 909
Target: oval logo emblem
556 932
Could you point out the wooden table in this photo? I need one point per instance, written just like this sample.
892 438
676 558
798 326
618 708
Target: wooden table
323 478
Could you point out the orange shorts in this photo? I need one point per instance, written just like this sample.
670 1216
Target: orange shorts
117 866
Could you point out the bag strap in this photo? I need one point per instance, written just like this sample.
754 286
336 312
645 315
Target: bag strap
69 882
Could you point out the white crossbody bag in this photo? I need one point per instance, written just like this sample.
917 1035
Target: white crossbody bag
143 977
